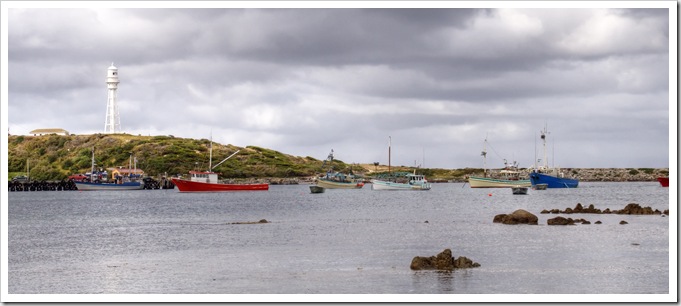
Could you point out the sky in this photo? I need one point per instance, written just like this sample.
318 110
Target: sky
434 83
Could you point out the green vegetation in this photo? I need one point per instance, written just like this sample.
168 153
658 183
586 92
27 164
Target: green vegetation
633 172
54 157
647 170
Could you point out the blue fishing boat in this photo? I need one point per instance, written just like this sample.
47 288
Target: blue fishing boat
552 177
97 180
552 181
88 186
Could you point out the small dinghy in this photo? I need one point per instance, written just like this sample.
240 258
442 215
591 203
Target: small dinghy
316 189
519 190
540 186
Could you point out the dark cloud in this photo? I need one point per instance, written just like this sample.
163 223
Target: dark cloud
304 81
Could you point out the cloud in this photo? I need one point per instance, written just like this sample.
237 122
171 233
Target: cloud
304 81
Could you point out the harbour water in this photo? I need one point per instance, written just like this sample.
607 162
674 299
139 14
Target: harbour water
356 242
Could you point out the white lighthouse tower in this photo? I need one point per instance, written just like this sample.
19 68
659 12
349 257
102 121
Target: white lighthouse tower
113 121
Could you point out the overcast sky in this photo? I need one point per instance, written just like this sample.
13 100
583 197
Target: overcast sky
305 81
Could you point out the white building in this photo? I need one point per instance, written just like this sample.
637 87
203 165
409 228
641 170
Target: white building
40 132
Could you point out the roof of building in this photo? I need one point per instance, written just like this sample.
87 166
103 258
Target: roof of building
48 131
127 170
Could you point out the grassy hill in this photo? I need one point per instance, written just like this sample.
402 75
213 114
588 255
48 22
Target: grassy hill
54 157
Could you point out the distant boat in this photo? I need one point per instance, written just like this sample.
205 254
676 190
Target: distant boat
337 180
506 178
316 189
540 186
207 181
96 181
552 177
400 180
664 181
519 190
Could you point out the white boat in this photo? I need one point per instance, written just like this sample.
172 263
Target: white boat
508 177
337 180
334 181
488 182
407 182
400 180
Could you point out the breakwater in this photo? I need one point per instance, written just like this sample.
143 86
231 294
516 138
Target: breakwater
64 185
617 174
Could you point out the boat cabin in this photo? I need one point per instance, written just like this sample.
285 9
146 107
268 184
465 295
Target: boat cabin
416 179
203 176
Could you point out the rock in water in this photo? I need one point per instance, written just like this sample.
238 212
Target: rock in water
519 216
442 261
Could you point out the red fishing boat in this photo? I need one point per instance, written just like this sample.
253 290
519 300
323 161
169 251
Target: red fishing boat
664 181
207 181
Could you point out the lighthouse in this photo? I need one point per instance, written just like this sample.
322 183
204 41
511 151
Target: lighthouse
112 124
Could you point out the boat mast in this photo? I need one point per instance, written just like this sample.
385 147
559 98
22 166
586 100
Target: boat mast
210 156
92 171
484 158
390 141
543 138
535 153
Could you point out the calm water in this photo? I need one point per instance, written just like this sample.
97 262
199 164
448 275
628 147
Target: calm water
338 242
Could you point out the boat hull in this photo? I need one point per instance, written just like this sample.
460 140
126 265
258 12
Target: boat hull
519 190
552 181
486 182
190 186
316 189
387 185
89 186
339 185
664 181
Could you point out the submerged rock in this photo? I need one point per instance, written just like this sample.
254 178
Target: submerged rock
251 222
442 261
